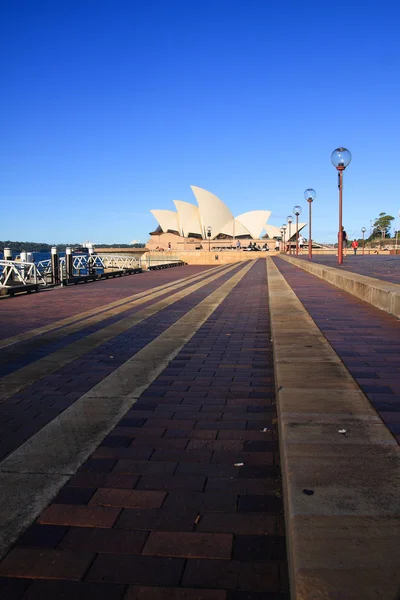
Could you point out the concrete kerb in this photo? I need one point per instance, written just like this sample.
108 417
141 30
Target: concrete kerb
340 466
381 294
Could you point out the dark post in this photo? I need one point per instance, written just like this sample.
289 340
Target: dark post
8 256
55 266
69 268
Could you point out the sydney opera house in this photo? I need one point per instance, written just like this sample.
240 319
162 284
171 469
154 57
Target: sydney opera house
190 225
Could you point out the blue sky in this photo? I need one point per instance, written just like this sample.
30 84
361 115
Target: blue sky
112 107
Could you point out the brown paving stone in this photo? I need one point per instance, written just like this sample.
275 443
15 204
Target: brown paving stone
104 540
70 590
106 480
157 519
45 563
128 498
232 575
158 593
237 485
190 434
42 536
80 516
142 570
248 458
210 501
189 545
12 589
239 523
145 467
193 483
182 456
216 445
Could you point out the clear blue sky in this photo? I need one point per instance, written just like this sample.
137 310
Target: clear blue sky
112 107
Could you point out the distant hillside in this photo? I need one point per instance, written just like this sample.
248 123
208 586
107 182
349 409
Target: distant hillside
17 247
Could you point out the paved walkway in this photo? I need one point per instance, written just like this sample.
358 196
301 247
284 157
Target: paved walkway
182 498
366 338
385 267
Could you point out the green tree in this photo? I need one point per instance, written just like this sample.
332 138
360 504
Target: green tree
382 225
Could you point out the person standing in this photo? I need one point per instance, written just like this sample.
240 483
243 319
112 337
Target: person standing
301 244
354 245
344 241
277 246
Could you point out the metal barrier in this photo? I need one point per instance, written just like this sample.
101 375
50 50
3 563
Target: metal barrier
162 261
14 273
83 264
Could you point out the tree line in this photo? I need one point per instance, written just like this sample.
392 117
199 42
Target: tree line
17 247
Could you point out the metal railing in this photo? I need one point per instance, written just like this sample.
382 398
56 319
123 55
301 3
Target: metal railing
161 259
14 272
82 264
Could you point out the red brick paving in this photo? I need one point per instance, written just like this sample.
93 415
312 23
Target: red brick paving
164 509
25 312
366 339
385 267
26 412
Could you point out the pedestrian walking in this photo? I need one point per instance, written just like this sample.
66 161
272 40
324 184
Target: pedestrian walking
354 245
301 244
277 246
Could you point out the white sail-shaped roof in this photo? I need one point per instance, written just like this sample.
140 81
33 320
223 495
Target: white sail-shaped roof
272 231
189 218
213 211
234 228
254 221
168 219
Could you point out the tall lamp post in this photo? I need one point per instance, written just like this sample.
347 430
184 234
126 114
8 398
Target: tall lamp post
340 158
289 219
284 237
209 237
309 195
297 212
363 229
282 240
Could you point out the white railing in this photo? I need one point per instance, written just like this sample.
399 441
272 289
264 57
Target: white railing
83 262
13 272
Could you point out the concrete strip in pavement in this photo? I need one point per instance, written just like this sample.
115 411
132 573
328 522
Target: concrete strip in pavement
340 466
26 335
18 380
381 294
41 466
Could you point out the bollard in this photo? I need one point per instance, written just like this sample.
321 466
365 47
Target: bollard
69 268
8 270
23 259
55 266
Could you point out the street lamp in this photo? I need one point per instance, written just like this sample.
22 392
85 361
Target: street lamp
297 212
309 195
283 229
282 239
209 237
341 159
363 229
289 219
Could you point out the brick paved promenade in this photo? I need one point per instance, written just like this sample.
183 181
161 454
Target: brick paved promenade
182 499
139 450
381 266
366 339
